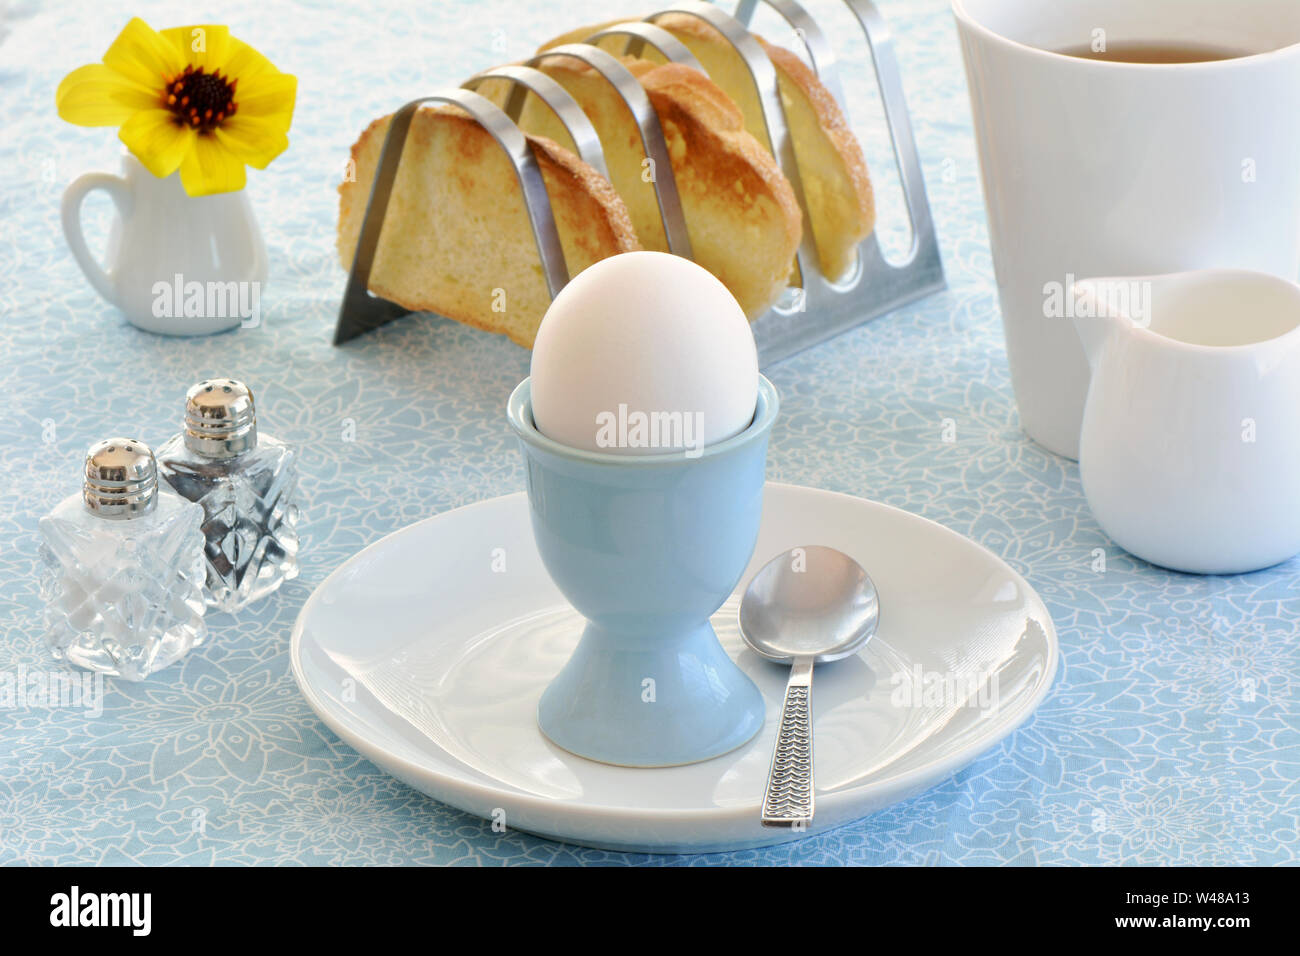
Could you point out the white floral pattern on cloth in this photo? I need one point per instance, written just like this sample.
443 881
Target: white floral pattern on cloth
1172 735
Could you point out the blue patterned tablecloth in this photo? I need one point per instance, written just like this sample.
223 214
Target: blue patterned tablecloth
1171 736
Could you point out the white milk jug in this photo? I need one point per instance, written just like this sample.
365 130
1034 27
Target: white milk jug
1190 450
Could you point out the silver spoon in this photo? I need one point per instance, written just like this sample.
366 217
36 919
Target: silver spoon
809 606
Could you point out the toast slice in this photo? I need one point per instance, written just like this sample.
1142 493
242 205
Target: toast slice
741 214
837 187
456 238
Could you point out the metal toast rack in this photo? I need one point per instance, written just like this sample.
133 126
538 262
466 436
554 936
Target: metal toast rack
804 316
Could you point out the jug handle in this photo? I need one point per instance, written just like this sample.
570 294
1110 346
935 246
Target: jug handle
120 192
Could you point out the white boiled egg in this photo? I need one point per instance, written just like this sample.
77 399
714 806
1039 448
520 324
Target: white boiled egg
644 353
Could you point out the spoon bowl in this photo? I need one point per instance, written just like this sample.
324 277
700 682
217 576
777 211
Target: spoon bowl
809 602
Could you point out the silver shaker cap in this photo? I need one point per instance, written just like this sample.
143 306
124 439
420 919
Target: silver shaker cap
220 418
121 479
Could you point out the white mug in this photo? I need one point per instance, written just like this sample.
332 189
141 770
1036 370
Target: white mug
1190 455
1111 168
177 264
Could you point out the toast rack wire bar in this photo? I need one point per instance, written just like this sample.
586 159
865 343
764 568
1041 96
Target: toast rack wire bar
360 311
822 308
525 79
640 34
637 100
820 53
826 307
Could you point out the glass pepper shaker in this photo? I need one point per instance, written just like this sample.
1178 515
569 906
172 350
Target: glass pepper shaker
245 482
123 567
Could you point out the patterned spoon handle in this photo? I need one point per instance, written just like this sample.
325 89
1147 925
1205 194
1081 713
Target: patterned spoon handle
789 798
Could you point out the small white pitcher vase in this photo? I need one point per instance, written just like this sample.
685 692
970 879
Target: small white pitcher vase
176 264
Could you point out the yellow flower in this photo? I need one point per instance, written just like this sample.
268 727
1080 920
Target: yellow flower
190 98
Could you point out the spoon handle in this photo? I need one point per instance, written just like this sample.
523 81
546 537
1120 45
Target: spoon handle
789 798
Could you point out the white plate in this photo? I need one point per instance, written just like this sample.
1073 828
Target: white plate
427 652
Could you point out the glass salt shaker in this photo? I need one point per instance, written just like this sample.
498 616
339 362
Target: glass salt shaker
245 483
123 567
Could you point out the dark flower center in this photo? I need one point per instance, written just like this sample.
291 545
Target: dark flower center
200 100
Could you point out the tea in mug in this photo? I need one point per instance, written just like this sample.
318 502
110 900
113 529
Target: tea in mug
1136 51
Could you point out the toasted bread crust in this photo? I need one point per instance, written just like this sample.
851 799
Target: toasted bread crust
579 34
557 162
848 218
588 198
836 126
675 89
726 179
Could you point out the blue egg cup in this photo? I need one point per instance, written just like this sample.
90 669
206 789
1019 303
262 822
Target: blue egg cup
646 548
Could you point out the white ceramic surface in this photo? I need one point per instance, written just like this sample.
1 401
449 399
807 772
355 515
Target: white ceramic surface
1190 454
428 651
1104 168
176 264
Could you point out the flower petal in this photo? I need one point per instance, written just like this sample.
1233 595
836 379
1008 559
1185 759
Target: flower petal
141 55
254 139
243 62
211 168
96 95
157 140
203 45
268 95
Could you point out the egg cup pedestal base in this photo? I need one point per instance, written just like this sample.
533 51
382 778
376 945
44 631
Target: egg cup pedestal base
647 548
650 701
